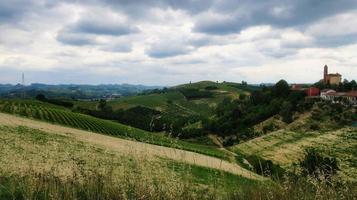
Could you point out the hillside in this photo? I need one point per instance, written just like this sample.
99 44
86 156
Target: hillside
59 115
72 163
127 146
177 111
174 100
285 148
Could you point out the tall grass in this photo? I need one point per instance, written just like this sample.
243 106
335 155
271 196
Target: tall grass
139 186
37 165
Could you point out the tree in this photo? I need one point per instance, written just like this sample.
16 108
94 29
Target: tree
286 112
353 85
102 103
41 97
259 97
242 96
281 89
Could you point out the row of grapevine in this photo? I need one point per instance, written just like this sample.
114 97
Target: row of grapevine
68 118
62 116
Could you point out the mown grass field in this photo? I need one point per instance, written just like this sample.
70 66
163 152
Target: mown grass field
58 115
287 147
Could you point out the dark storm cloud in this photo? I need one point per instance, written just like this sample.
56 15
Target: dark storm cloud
336 41
165 50
104 27
74 39
288 13
165 53
13 10
191 6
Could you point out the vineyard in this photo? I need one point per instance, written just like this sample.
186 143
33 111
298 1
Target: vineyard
58 115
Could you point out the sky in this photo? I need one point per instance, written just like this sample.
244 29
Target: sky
169 42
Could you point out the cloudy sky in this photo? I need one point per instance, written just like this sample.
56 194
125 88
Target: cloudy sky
166 42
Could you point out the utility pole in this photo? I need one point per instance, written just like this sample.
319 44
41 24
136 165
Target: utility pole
23 85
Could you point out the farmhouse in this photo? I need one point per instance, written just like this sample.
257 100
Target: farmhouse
340 97
325 93
352 97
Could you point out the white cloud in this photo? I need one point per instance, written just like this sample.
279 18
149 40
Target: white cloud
159 43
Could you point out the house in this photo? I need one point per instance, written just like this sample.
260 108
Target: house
352 97
312 91
335 97
297 87
340 97
324 93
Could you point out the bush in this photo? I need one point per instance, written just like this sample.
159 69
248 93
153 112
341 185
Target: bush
58 102
286 112
211 87
316 165
193 93
265 167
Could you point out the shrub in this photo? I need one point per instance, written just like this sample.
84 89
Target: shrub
315 164
211 87
193 93
265 167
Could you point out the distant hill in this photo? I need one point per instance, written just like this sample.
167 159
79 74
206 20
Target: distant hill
75 91
177 110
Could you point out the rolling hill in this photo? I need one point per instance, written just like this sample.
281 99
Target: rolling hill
64 163
173 100
59 115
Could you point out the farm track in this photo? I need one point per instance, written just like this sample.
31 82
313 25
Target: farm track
130 147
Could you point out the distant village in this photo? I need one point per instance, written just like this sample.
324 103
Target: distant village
329 94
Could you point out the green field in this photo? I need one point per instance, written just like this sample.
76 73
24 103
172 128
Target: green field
288 147
58 115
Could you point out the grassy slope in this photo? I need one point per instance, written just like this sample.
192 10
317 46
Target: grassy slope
72 160
27 108
38 165
286 147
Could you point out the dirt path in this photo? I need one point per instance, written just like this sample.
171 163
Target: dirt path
130 147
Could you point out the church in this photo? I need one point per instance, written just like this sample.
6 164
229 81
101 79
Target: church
331 79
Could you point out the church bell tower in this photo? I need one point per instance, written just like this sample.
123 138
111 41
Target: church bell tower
325 74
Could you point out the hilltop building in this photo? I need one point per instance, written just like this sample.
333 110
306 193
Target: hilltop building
310 91
332 79
339 97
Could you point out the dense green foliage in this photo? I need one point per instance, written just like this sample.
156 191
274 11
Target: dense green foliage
344 86
236 117
333 115
170 110
58 102
193 93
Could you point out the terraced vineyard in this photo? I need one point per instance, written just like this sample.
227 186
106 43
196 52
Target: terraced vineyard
59 115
